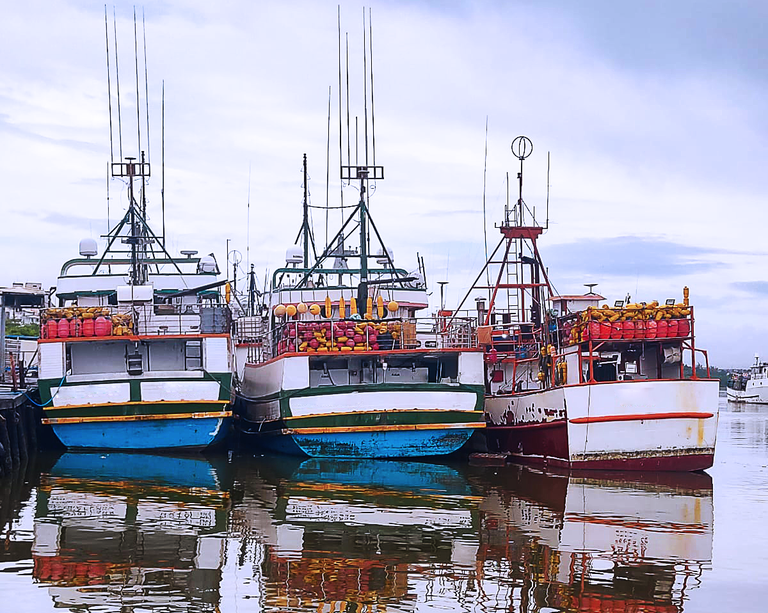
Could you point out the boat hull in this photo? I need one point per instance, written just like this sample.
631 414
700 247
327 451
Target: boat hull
188 433
116 415
436 441
625 425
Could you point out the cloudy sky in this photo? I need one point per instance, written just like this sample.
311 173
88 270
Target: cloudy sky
653 113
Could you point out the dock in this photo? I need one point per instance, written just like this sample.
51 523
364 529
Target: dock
18 428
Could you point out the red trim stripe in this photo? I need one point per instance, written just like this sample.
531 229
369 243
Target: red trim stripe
641 417
539 425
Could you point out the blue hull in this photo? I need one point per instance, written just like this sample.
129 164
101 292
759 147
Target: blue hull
149 434
391 444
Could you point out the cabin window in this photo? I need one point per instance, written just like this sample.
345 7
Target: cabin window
606 371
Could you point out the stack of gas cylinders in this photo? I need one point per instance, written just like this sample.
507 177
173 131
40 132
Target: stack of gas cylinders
74 322
339 336
639 321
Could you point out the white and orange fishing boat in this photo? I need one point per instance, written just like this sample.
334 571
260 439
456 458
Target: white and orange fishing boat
573 382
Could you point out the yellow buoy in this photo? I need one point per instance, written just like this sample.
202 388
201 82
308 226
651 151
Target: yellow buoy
353 306
369 308
227 293
314 309
279 310
380 306
342 308
328 307
392 306
301 308
290 310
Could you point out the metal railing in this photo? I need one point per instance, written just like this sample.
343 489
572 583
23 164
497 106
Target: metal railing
353 336
136 319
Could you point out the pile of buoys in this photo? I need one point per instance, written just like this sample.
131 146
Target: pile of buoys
302 310
339 336
74 322
639 321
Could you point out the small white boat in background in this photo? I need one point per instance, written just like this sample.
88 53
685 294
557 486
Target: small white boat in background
750 387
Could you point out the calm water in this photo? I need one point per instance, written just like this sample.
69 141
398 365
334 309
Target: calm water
130 533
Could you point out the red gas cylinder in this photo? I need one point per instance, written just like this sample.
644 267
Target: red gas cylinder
640 329
650 329
672 331
683 327
102 326
616 329
63 328
661 328
52 326
88 327
74 327
628 330
605 329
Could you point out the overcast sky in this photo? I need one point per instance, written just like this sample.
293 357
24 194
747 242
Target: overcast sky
653 113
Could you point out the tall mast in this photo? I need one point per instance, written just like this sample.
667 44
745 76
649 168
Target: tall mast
305 226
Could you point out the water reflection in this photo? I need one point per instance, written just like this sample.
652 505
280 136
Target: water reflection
130 532
121 530
603 542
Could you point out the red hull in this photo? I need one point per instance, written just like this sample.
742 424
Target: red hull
547 444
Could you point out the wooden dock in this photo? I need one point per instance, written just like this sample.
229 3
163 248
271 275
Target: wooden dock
18 428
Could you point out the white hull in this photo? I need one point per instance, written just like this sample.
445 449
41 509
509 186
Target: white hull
754 394
620 424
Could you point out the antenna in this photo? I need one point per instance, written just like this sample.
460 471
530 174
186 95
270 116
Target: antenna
248 224
546 224
373 123
162 158
109 99
138 104
328 167
365 92
485 223
146 88
117 80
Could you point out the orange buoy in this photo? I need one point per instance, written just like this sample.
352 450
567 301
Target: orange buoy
628 329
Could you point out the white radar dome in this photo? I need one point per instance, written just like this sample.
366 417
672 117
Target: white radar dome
207 264
88 247
294 255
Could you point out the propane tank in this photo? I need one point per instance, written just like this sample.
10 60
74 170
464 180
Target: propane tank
63 328
102 326
52 326
74 327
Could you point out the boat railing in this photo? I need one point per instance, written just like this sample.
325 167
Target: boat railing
357 335
137 319
644 323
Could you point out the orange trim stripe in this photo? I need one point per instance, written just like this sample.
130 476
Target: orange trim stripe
132 403
120 418
641 417
390 428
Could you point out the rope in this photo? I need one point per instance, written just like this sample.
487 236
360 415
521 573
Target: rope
58 389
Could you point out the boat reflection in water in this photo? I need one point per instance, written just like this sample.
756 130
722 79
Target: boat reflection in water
603 542
358 535
354 535
116 531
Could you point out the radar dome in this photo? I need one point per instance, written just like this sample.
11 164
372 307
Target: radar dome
294 255
207 264
88 247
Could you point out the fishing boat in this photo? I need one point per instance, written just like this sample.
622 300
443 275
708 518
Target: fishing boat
137 352
749 387
574 382
342 365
